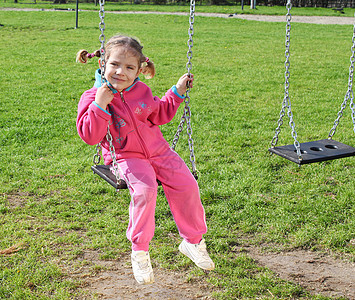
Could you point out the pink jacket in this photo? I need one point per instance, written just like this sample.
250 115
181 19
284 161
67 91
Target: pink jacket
134 115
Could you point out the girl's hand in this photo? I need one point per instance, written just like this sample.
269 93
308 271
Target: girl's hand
103 96
181 85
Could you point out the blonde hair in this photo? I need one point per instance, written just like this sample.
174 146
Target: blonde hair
131 44
83 56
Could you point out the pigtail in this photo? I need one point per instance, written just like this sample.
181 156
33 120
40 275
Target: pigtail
83 56
148 69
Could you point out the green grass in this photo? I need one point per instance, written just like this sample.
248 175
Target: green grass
52 204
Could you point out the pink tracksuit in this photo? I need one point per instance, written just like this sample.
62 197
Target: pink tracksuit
144 156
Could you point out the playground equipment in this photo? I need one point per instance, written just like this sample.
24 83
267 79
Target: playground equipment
104 171
314 151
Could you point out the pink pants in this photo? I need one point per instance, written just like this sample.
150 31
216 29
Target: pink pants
181 191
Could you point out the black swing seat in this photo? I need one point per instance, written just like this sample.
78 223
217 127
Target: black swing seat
105 173
315 151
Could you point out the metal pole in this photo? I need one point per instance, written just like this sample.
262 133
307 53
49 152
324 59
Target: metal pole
252 4
77 14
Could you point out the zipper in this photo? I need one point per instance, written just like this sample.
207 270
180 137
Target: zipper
141 141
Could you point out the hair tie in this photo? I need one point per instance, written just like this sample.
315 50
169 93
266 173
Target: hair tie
91 55
147 59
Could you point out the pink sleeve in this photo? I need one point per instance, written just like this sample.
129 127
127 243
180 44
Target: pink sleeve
92 120
166 109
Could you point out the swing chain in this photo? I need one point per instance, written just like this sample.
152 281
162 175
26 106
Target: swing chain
190 41
97 155
113 155
179 130
349 94
187 111
287 101
102 39
187 99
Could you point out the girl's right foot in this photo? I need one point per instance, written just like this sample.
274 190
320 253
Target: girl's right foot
142 268
198 254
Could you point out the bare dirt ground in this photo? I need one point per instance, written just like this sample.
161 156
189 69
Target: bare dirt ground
317 273
114 280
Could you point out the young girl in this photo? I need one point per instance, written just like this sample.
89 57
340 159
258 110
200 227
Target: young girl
142 154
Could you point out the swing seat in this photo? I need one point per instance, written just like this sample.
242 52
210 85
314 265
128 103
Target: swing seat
315 151
105 173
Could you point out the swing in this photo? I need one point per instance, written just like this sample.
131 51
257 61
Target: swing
314 151
104 171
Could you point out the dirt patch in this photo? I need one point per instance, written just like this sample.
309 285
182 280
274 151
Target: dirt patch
299 19
15 200
114 280
317 273
264 18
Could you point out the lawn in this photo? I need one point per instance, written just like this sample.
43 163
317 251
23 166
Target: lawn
54 208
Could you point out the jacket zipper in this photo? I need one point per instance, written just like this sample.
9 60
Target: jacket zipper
141 141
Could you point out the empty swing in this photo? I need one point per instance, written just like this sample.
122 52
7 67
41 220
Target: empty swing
104 171
314 151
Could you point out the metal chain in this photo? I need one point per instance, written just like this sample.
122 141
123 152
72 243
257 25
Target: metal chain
113 155
186 117
187 99
102 39
97 155
188 67
190 41
349 94
178 131
287 101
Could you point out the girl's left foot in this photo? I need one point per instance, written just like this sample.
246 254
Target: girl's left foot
142 268
198 254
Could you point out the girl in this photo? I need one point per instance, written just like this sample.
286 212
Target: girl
142 154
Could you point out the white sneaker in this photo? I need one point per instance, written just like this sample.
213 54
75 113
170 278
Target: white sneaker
142 268
198 254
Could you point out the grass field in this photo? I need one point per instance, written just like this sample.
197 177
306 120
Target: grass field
54 208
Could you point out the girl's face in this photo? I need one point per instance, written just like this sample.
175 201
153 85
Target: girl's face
122 68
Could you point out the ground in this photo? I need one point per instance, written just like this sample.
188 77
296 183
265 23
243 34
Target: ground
116 281
318 273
